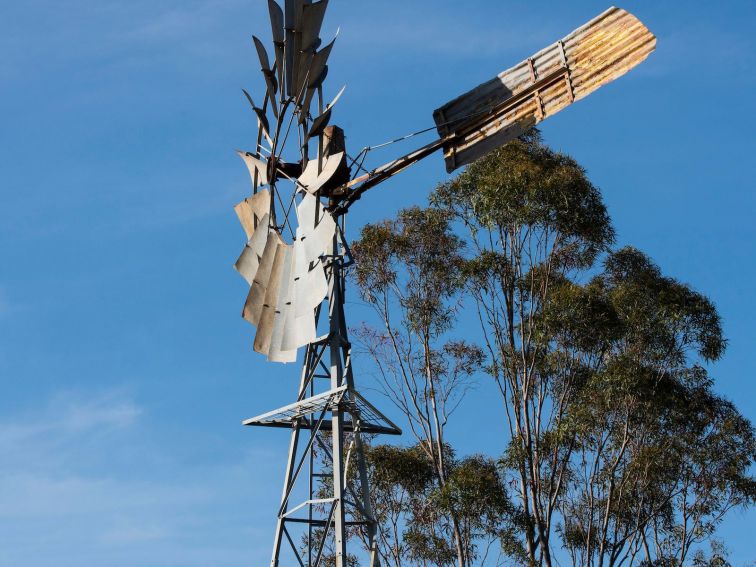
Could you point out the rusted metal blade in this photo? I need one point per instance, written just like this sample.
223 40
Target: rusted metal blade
499 110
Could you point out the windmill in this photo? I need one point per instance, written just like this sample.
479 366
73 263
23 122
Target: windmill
304 183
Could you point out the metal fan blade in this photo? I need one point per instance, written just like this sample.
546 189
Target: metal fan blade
322 121
256 297
262 120
266 321
316 75
313 181
310 282
311 23
310 289
270 77
281 311
249 260
316 232
299 331
495 112
290 10
251 210
256 167
277 26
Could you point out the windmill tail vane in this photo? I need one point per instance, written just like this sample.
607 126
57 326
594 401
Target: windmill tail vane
303 184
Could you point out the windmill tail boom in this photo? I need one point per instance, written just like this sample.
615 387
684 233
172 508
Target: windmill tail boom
501 109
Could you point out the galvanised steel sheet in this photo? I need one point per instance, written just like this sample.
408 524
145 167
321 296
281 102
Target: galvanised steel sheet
501 109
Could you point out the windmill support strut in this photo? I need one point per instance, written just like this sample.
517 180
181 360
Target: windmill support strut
327 423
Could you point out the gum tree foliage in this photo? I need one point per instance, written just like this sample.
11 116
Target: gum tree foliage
532 218
408 270
657 457
619 450
414 510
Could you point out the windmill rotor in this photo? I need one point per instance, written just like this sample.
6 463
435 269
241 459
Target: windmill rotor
303 184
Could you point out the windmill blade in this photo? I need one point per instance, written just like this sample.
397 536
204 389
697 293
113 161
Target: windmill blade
255 166
279 38
317 232
308 22
251 210
273 288
307 37
311 23
332 170
276 314
256 297
319 124
249 260
311 286
262 120
317 73
270 77
287 282
290 10
499 110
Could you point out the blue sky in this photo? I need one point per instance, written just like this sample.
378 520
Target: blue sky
125 367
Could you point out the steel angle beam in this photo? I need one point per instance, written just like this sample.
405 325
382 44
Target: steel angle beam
355 405
501 109
298 410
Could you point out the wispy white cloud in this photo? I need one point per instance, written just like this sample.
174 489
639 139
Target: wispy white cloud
66 417
67 496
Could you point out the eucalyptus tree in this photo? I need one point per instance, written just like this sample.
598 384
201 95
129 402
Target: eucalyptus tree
413 509
408 271
619 450
532 219
658 457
